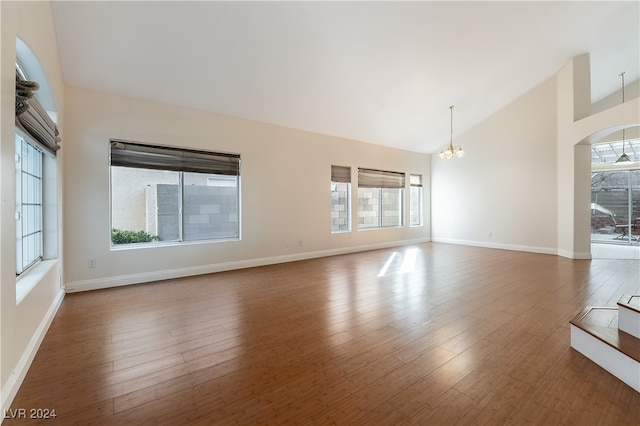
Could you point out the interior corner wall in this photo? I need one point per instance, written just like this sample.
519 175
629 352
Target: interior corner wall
285 191
23 324
502 193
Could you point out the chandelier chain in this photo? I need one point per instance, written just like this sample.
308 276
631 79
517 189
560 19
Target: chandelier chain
624 158
451 134
623 135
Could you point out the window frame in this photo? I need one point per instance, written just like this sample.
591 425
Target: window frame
22 265
615 232
415 183
341 175
380 180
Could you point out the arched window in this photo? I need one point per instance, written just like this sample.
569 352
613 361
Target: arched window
35 165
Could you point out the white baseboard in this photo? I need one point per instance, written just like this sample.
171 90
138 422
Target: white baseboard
612 360
20 371
122 280
499 246
577 255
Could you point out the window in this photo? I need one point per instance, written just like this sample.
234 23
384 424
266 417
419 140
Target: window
615 193
36 144
380 199
415 200
28 177
164 194
615 206
340 199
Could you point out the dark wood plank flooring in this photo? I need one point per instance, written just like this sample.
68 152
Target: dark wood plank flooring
448 335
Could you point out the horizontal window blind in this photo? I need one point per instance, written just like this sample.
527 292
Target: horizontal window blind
136 155
340 174
371 178
31 117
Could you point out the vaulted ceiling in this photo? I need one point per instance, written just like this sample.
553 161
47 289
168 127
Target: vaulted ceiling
379 72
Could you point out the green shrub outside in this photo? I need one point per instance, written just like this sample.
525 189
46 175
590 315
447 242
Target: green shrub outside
127 237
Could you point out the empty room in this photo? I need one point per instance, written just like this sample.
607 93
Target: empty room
370 213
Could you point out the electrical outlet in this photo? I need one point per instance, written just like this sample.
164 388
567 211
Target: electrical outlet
91 263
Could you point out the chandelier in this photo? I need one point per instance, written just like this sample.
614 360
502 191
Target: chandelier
624 158
451 151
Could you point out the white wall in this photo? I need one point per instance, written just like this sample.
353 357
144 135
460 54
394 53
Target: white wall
526 176
285 190
23 324
506 184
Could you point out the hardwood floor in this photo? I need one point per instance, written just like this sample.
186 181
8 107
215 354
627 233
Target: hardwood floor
447 335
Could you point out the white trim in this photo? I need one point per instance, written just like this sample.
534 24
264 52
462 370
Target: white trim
575 254
615 362
629 321
27 281
514 247
17 376
122 280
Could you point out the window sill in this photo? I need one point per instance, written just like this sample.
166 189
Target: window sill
134 246
30 279
380 228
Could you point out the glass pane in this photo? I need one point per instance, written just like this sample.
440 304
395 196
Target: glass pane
340 217
416 206
18 206
368 208
210 206
391 207
28 205
145 205
615 206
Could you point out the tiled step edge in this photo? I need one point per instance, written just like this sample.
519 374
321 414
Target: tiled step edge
612 349
629 314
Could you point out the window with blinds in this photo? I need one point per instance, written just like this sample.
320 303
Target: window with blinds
37 142
380 198
340 199
167 194
29 201
415 200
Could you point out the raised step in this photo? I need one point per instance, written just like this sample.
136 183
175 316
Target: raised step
595 334
629 315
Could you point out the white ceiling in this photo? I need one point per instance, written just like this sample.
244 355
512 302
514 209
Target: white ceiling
379 72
